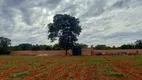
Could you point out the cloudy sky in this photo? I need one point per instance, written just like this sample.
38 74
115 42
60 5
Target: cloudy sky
110 22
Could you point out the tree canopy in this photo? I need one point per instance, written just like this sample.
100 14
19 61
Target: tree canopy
4 45
27 46
127 46
82 45
66 29
138 44
102 47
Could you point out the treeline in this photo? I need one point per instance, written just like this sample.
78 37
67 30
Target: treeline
5 46
136 45
27 46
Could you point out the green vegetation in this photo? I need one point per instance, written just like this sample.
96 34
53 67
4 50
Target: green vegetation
139 60
4 45
136 45
6 66
17 75
93 67
119 75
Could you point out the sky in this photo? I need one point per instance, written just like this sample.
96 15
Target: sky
110 22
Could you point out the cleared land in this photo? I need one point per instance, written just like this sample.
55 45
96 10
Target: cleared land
71 68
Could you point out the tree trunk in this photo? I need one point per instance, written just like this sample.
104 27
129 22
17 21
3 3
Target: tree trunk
66 51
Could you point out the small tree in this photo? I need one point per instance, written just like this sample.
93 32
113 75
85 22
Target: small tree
138 44
4 45
65 28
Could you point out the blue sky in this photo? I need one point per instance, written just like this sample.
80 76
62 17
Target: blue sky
110 22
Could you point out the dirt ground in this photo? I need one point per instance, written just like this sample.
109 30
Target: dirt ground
71 67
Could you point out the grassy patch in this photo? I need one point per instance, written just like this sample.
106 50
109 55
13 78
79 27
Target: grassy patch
6 66
139 64
138 60
108 68
42 64
36 64
18 75
119 75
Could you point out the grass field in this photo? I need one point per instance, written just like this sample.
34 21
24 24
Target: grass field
71 68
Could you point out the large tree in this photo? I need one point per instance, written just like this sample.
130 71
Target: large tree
4 45
65 28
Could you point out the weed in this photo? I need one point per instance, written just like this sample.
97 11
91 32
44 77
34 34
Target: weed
119 75
17 75
42 65
108 68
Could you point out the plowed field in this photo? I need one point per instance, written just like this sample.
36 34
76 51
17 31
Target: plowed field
71 68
